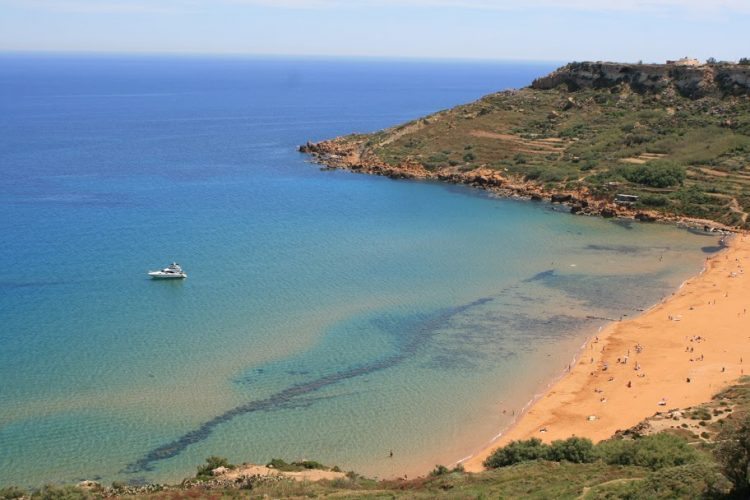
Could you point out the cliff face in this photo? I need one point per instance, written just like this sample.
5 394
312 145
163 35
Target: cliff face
689 81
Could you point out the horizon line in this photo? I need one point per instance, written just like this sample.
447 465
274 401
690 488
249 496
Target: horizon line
250 55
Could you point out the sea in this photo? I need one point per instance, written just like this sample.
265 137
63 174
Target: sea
326 316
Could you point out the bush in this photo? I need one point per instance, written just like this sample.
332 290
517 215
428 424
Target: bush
658 174
733 454
516 452
655 452
11 492
576 450
439 470
654 200
697 480
533 174
617 452
212 462
310 464
51 492
282 465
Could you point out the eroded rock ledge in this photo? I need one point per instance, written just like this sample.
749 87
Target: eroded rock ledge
693 82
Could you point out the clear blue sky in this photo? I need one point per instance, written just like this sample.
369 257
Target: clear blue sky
552 30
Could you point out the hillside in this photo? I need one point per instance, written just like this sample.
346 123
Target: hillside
677 137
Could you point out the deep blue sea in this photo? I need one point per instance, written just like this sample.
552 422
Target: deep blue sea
327 315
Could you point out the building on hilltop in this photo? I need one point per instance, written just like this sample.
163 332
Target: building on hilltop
685 61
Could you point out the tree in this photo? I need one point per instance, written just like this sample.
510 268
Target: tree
656 173
745 61
576 450
711 60
733 453
516 452
212 462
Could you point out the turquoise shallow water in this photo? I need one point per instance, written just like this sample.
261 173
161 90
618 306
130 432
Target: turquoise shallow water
327 315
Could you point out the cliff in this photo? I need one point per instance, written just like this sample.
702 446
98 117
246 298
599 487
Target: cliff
693 82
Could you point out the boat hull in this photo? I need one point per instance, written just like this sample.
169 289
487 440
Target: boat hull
162 276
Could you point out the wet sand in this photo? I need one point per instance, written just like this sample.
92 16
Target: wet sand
677 354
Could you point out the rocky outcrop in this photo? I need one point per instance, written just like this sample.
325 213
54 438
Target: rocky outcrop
644 217
561 198
690 81
348 154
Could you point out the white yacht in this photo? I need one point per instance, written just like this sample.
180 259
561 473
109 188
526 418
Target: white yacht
174 271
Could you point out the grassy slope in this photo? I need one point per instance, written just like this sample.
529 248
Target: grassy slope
588 139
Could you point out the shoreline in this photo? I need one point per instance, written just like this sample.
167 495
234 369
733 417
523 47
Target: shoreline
343 153
571 386
691 346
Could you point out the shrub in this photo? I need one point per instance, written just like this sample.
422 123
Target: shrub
733 454
516 452
439 470
11 492
658 174
575 449
654 200
469 157
212 463
282 465
617 451
533 174
699 480
51 492
310 464
700 414
655 452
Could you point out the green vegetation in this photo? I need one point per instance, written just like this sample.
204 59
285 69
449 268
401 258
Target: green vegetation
212 462
658 174
733 453
681 155
653 452
279 464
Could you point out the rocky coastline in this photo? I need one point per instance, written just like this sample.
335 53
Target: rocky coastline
345 153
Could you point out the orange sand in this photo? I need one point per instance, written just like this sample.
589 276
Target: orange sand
711 305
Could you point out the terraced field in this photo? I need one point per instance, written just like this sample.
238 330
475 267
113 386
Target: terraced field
681 155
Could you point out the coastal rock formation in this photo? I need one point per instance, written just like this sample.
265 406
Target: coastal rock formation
673 140
560 198
690 81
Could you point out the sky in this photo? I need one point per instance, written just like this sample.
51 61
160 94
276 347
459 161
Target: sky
543 30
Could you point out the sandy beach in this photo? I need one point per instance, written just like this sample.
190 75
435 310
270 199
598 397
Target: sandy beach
677 354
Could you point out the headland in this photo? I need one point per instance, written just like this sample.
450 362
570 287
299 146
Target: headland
647 141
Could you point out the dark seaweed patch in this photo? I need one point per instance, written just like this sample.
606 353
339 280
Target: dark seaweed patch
292 395
543 276
627 249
